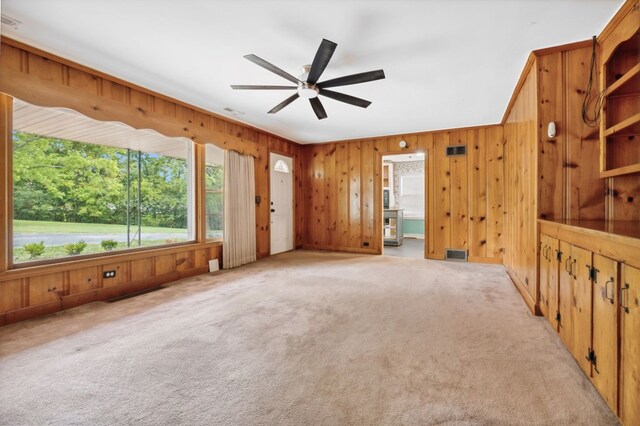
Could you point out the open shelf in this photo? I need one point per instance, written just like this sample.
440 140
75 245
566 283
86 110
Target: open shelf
617 128
620 171
620 126
629 83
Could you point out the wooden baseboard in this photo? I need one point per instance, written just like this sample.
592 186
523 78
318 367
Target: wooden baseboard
97 295
492 260
530 302
345 250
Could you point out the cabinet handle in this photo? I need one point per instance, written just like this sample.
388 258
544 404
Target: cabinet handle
572 272
606 290
567 265
625 308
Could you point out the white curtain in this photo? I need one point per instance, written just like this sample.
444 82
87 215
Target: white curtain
239 243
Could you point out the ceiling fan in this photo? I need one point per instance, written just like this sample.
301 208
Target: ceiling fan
307 85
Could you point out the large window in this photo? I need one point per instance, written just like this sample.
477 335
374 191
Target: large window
82 186
214 184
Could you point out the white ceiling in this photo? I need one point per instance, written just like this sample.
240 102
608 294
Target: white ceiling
448 63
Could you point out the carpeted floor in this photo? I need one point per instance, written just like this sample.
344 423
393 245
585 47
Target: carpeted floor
302 338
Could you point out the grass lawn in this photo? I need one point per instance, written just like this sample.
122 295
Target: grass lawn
53 252
43 227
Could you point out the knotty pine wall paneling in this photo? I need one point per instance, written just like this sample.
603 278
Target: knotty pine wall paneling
464 195
520 150
46 80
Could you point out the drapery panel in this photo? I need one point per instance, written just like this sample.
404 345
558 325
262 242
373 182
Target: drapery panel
239 244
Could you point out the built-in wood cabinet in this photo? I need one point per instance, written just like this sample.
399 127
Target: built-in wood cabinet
590 294
565 295
549 278
630 346
581 309
604 347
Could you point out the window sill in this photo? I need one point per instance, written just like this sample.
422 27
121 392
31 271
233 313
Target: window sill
75 262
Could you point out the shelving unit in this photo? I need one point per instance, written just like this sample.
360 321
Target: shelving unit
620 123
393 223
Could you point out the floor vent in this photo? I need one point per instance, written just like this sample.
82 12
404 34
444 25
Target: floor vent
456 150
130 295
459 255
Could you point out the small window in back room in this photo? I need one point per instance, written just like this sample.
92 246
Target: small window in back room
281 166
214 185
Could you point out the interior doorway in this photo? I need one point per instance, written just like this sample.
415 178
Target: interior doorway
403 199
281 203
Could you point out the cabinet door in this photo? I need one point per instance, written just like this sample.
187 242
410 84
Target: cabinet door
565 295
605 329
552 282
630 346
544 277
581 264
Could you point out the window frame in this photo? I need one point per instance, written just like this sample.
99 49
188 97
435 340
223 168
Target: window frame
195 186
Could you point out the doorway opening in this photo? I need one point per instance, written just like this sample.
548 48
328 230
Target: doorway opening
403 203
281 203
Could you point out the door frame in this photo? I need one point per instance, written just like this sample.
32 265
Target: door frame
378 208
293 195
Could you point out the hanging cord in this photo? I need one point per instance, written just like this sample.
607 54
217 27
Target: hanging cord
590 103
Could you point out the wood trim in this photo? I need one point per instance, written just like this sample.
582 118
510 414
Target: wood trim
516 91
76 65
528 299
622 248
378 208
407 135
6 196
68 265
563 47
334 249
200 193
627 7
49 94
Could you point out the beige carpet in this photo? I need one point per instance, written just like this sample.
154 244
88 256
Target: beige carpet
303 338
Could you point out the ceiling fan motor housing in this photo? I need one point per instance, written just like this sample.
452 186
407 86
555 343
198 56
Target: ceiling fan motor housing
308 91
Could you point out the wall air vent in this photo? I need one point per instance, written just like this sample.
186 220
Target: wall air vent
453 254
8 20
456 150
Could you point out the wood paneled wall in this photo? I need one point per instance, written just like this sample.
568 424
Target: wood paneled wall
46 80
520 132
464 195
569 185
25 293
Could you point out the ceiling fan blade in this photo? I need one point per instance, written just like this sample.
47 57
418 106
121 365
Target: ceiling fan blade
284 103
362 77
318 108
321 60
257 87
269 66
352 100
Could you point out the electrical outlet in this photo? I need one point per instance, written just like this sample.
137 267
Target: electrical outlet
108 274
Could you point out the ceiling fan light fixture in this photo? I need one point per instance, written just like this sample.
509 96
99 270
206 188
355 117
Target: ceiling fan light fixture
308 91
